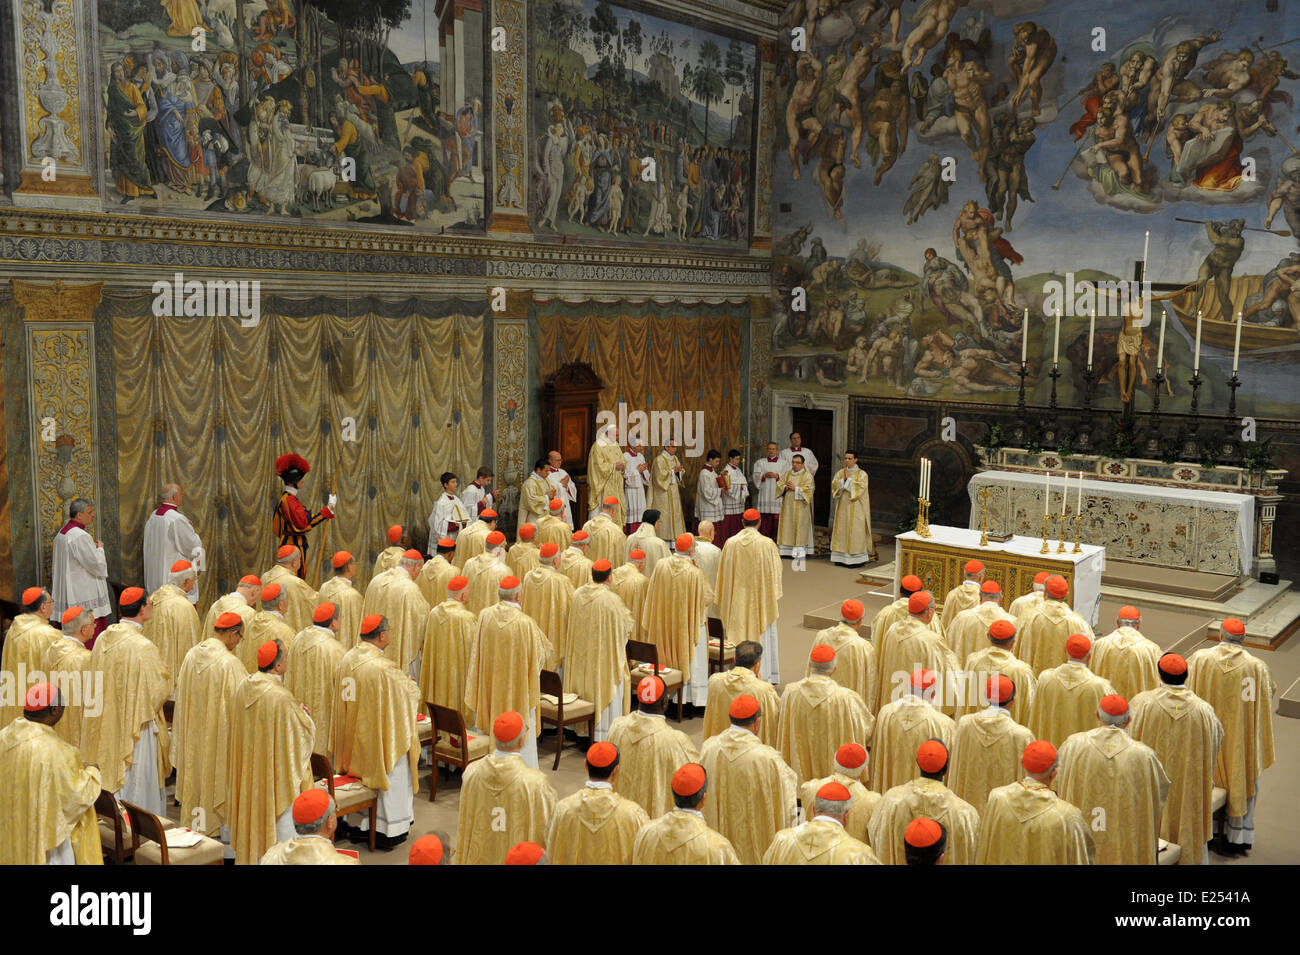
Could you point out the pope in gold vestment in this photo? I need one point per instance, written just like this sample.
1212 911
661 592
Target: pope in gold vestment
594 826
448 645
682 837
986 751
1118 783
312 676
47 797
1026 823
818 716
752 791
901 727
1129 660
823 841
1065 702
650 751
932 799
306 850
174 626
724 687
502 802
209 679
605 473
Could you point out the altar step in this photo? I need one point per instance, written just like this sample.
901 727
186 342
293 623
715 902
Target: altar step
1168 580
1288 703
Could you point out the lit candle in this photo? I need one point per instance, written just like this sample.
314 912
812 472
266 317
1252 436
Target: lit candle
1196 362
1047 490
1092 328
1236 345
1065 493
1024 339
1160 352
929 469
920 487
1056 339
1078 508
1146 244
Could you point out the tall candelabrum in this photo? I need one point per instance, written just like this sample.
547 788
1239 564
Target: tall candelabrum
1153 429
1083 441
1060 547
1230 426
1022 421
1192 430
923 517
1047 520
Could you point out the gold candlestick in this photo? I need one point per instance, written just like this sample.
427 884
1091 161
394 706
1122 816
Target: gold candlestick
923 517
984 518
1046 519
1060 548
1078 520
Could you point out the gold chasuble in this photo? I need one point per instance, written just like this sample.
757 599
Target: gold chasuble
676 611
264 626
408 615
968 632
553 530
375 725
1040 639
505 668
855 662
535 495
1025 606
724 687
932 799
387 559
986 751
502 802
645 540
901 728
270 762
302 599
1026 823
306 850
209 679
889 615
1129 660
594 647
650 751
752 791
749 585
26 641
1065 702
1240 688
795 529
594 826
995 661
1186 735
545 595
522 557
470 542
851 533
347 603
861 809
1119 784
604 479
962 597
631 586
46 796
229 603
174 626
907 646
575 565
373 602
665 496
822 841
136 685
65 661
485 573
608 542
311 673
448 644
682 837
434 577
818 716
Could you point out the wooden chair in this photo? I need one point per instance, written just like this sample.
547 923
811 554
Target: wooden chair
640 653
722 655
114 832
155 850
561 714
354 799
450 721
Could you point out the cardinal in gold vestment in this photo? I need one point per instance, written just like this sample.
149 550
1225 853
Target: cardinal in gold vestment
209 679
605 470
26 641
65 664
1026 605
925 796
524 553
794 534
347 600
435 573
594 649
987 746
1118 783
312 673
999 659
448 644
631 584
1026 823
962 597
911 644
1186 735
1126 658
574 562
271 740
388 557
681 836
855 658
269 623
239 601
502 801
608 542
595 825
1066 696
650 750
904 725
175 625
545 596
485 572
743 678
47 797
470 541
552 529
754 791
314 822
1042 635
968 631
823 840
301 597
896 610
818 716
407 614
748 592
675 618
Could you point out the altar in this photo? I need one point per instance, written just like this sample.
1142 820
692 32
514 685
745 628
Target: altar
1187 528
939 561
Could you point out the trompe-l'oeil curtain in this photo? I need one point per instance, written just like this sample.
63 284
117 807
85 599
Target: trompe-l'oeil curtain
380 403
655 358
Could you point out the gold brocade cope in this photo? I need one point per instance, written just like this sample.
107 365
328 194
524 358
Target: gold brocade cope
986 751
795 529
680 837
174 625
407 614
449 639
263 627
608 542
594 827
227 603
674 614
505 667
932 799
1065 702
1129 660
347 604
968 630
575 565
818 716
908 646
1041 639
46 796
502 802
749 585
374 723
522 557
594 646
65 663
724 687
386 560
962 597
604 479
855 662
644 540
485 572
209 679
751 791
434 577
374 600
819 842
861 808
545 596
851 527
650 751
301 597
1115 779
901 728
1025 823
994 661
136 685
1240 688
26 641
1025 606
311 674
665 495
470 542
553 530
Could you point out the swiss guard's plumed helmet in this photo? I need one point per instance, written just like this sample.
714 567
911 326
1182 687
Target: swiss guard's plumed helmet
291 468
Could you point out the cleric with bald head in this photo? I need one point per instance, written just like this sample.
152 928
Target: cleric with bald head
169 536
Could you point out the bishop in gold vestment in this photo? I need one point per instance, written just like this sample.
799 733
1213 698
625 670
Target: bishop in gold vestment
962 597
987 746
852 542
754 791
1066 696
1043 633
449 641
851 768
749 589
1119 784
794 534
665 495
26 641
1127 658
743 678
904 725
605 471
650 750
631 584
1186 735
545 596
1026 823
523 554
925 796
818 716
485 572
608 542
675 618
968 630
595 825
502 800
312 673
681 836
823 840
855 658
594 649
174 625
340 592
301 598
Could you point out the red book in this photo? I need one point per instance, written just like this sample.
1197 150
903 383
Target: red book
349 852
344 780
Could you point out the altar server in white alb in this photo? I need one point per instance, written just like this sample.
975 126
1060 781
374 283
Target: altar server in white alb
735 492
636 478
561 481
708 490
80 568
796 447
767 480
450 516
168 537
851 540
478 495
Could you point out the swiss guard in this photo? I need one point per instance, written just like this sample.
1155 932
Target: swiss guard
292 521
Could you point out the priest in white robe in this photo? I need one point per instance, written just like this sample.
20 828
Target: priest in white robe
169 536
80 567
767 479
708 490
796 447
566 487
636 479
